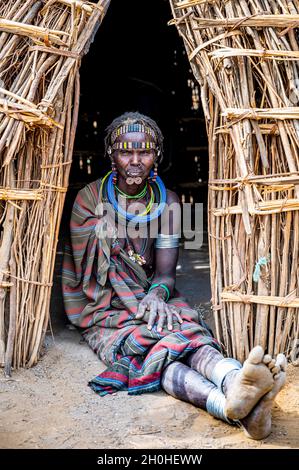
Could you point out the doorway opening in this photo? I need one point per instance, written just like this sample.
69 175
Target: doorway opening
138 63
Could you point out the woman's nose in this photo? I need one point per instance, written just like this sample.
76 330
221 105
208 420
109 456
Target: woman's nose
135 158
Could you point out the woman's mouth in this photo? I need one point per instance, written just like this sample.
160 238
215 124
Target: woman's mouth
134 173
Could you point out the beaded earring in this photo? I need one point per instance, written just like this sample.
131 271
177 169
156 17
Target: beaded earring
155 174
114 172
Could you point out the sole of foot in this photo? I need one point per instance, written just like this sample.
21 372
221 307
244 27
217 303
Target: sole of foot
257 425
250 384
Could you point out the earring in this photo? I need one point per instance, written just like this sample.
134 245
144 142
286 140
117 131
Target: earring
114 172
154 173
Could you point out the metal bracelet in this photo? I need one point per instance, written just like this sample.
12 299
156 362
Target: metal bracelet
167 241
222 368
215 406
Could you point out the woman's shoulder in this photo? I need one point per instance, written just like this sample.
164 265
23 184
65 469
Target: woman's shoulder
90 191
93 186
171 197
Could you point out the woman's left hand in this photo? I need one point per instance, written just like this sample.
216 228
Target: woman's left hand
158 308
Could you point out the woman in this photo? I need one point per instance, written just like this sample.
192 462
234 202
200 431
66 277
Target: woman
119 289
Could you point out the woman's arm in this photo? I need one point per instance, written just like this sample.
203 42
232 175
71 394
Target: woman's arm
165 272
166 258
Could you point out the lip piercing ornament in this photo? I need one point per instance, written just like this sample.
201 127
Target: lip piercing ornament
136 180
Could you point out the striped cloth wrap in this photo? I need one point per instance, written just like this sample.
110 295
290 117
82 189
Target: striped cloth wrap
102 288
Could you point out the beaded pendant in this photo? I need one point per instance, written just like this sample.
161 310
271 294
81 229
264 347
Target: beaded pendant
136 257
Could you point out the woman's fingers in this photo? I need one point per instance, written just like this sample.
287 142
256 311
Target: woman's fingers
152 315
162 315
176 313
169 317
141 310
162 310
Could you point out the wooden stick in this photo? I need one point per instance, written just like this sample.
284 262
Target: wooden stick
258 113
263 208
12 320
259 299
31 31
264 53
20 194
260 21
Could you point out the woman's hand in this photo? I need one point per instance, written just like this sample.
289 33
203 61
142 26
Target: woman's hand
154 303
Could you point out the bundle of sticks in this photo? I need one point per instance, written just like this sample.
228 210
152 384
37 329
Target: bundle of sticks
245 56
41 46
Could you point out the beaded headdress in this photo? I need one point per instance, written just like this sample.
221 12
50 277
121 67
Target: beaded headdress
125 128
133 145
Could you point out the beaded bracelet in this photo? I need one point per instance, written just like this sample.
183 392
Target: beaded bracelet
163 287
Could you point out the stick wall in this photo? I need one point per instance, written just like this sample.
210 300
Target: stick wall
41 46
245 56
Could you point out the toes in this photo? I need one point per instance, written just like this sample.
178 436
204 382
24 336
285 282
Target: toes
281 362
275 370
267 359
256 355
272 364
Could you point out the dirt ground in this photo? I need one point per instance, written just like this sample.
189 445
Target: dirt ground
51 407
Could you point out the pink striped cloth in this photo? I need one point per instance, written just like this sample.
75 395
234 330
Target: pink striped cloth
101 289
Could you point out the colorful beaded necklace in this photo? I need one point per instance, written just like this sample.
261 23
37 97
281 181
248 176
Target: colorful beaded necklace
135 196
157 193
140 218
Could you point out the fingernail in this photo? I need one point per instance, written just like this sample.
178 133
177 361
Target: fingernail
149 327
170 327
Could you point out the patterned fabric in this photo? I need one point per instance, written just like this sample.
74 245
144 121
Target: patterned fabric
101 289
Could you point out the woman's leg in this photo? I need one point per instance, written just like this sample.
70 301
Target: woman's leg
243 386
186 384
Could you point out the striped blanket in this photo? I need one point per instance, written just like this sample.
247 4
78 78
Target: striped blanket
101 289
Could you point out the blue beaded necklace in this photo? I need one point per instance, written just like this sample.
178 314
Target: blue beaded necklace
137 218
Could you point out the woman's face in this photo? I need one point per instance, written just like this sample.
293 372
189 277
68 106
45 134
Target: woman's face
134 162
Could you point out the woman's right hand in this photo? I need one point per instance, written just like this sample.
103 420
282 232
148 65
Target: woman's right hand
158 310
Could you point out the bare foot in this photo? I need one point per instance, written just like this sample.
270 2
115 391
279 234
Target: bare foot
257 425
244 388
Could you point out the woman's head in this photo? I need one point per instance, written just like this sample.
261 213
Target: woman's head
134 144
152 132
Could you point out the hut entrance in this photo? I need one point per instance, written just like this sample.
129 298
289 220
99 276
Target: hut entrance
138 63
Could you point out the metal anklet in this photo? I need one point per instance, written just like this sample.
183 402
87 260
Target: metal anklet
216 405
222 368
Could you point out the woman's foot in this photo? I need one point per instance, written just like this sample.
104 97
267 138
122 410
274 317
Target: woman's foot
257 425
245 387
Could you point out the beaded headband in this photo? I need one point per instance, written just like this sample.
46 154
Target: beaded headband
132 128
133 145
